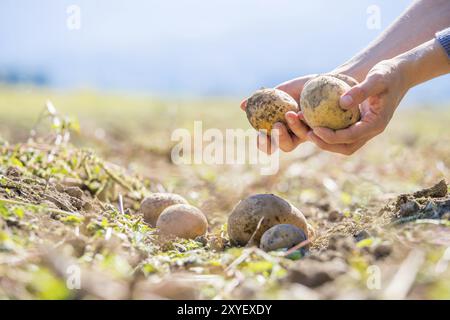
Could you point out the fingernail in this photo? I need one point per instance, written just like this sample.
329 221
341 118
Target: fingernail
346 100
290 120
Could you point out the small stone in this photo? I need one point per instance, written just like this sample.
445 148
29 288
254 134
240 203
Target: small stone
408 208
335 216
361 235
325 206
59 187
74 192
382 250
87 206
313 273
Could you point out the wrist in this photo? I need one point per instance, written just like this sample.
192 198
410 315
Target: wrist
405 68
423 63
354 70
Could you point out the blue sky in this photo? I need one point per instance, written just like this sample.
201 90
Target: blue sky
190 47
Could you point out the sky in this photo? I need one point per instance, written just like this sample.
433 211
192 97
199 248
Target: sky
189 47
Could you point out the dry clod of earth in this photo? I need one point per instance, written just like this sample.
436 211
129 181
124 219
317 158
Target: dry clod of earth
254 215
319 103
313 273
154 204
281 236
335 216
183 221
382 250
268 106
429 203
74 192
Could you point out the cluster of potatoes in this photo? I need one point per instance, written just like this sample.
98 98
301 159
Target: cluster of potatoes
263 219
268 221
173 215
319 103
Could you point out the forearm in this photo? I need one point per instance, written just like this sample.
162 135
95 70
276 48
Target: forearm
423 63
416 25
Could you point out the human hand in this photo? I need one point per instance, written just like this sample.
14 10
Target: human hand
285 139
377 97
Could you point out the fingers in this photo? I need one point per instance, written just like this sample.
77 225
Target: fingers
345 149
264 144
244 104
352 134
371 86
291 88
280 136
285 141
295 123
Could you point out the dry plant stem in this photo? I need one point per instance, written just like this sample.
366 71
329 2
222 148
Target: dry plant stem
20 203
298 246
121 204
240 259
116 178
250 241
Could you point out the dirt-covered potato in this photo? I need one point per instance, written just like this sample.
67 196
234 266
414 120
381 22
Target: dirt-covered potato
182 220
153 205
319 102
281 236
267 208
268 106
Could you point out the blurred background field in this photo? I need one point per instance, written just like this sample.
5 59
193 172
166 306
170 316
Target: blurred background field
135 132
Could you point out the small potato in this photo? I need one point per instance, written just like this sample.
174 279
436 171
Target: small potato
153 205
182 220
319 102
268 106
267 209
281 236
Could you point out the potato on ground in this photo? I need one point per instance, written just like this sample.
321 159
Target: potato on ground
183 221
266 210
282 236
153 205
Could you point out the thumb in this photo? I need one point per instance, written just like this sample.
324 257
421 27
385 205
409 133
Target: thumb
371 86
244 104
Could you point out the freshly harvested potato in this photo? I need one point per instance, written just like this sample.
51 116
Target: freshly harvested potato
268 106
319 102
281 236
153 205
266 209
182 220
